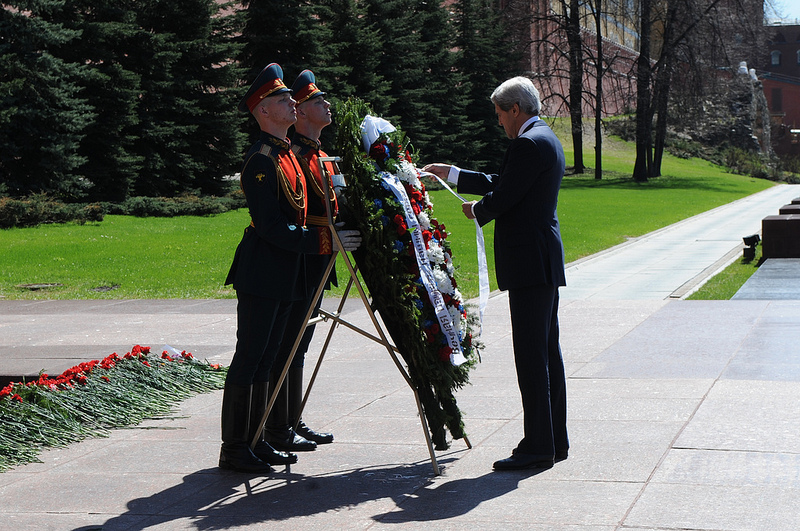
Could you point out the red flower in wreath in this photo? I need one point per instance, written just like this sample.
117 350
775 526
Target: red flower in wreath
402 228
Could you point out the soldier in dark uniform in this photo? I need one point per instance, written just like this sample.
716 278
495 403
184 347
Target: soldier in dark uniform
267 270
313 115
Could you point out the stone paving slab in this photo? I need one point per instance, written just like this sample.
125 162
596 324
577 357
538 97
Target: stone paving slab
682 415
651 449
35 336
775 279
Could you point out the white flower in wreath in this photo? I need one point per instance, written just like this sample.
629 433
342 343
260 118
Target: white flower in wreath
457 295
458 319
406 172
436 254
424 221
428 202
443 281
448 263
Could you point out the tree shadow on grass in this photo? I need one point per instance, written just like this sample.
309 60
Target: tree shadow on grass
619 181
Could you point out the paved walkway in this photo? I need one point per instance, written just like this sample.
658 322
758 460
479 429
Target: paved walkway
671 262
682 415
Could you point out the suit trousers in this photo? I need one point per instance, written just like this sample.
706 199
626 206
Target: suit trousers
540 368
261 324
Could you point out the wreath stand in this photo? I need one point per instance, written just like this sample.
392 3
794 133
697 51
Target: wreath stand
335 316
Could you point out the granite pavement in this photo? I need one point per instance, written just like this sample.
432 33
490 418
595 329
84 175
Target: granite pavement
682 414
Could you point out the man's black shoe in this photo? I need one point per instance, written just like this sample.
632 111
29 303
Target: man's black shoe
287 440
561 455
519 461
271 456
240 458
316 436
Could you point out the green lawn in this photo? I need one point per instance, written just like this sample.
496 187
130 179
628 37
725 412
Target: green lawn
188 257
183 257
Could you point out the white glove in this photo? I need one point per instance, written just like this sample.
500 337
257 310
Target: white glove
350 239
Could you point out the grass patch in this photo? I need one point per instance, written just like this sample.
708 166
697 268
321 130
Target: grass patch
126 257
725 284
123 257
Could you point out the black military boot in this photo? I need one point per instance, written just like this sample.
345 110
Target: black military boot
263 450
295 378
235 453
278 432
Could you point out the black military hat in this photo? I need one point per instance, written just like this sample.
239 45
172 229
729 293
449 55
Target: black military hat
268 83
304 87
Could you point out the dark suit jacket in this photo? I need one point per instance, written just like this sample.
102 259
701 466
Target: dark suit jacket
269 260
522 200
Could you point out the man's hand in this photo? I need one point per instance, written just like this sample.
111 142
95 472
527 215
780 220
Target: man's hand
351 239
440 170
467 209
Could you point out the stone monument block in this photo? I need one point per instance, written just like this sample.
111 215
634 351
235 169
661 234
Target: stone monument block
780 236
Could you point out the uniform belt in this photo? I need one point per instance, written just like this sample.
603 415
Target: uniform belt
317 221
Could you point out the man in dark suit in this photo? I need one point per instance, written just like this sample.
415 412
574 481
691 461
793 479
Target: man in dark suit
267 270
529 263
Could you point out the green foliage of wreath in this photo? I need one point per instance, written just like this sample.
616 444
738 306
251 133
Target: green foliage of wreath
389 268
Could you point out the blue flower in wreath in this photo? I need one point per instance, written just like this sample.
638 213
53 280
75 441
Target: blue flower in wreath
378 203
418 303
384 220
398 246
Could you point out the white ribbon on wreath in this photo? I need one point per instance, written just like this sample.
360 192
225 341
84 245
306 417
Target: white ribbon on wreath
446 324
483 269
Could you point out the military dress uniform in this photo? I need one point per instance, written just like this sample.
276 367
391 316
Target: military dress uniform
286 410
268 276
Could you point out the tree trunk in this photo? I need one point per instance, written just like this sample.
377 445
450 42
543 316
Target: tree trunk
641 168
598 97
663 81
576 83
